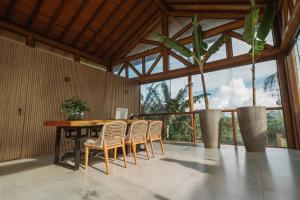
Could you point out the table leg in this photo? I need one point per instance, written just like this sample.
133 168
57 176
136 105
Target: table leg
57 144
77 150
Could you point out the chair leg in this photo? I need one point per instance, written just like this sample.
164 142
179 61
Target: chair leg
152 148
124 154
86 157
161 146
134 151
130 150
115 153
106 158
146 149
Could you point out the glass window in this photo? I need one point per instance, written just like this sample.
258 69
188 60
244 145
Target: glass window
131 73
138 64
239 47
123 73
117 68
231 88
176 64
149 60
297 55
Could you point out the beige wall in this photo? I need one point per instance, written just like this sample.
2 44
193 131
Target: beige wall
34 81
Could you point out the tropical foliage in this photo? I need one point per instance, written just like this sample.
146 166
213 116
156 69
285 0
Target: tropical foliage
255 34
158 99
201 52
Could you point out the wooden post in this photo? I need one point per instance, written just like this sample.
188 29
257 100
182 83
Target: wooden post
233 127
191 102
77 58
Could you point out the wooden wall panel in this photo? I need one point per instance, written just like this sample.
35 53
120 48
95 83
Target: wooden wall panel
42 91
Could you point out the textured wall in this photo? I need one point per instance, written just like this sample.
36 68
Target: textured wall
34 81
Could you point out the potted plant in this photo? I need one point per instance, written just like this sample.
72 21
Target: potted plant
74 108
253 119
209 118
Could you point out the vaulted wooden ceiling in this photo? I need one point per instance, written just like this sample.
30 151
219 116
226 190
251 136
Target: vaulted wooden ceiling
103 28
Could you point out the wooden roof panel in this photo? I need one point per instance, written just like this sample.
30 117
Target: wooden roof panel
104 28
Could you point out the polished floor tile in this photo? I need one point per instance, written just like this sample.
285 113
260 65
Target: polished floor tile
185 172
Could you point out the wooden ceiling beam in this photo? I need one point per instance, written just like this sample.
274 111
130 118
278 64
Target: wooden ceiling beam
88 23
54 17
107 20
235 61
152 42
33 13
9 9
140 33
187 40
162 5
154 65
180 58
46 40
127 33
73 19
107 44
121 22
134 69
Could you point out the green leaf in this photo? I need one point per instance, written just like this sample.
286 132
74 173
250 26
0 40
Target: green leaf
217 45
172 44
267 21
250 24
258 47
199 46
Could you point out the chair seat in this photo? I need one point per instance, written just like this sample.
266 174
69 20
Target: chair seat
93 143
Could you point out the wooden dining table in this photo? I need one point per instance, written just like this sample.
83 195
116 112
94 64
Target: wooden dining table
77 127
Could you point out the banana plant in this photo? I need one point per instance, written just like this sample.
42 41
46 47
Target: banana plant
200 51
256 37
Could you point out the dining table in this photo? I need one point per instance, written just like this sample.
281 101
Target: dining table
75 127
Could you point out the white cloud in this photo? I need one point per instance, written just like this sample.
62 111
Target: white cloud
236 94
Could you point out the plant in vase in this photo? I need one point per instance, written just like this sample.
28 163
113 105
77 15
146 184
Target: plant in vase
209 118
74 108
253 119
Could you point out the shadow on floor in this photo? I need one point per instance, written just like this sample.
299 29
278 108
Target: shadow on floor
204 168
22 166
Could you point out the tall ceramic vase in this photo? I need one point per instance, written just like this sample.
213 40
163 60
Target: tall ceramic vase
209 124
253 126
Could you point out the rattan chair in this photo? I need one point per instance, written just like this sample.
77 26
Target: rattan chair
137 135
112 137
154 134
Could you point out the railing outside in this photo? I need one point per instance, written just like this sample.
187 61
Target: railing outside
177 127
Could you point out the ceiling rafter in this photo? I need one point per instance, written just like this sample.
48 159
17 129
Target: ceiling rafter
73 19
91 19
131 16
126 32
33 13
54 17
103 25
152 42
101 44
10 9
140 33
206 34
162 5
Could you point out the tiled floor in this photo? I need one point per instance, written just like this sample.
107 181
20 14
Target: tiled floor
184 172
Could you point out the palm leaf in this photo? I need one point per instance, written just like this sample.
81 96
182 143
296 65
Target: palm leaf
250 24
199 46
172 44
267 21
217 45
165 91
